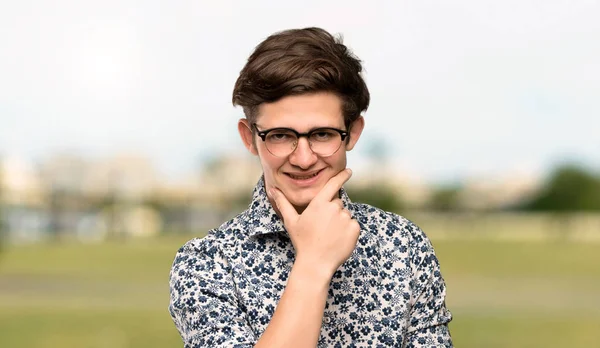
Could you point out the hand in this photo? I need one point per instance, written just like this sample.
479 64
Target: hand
325 234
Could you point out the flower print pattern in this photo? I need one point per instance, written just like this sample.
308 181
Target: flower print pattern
224 288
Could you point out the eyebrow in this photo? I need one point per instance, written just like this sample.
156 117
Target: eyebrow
308 131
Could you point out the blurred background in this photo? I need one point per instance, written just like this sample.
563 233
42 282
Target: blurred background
118 143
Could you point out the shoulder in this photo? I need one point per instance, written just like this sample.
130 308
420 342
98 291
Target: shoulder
394 229
386 222
198 264
198 247
219 237
195 256
211 247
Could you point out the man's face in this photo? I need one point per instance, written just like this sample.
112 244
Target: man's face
295 175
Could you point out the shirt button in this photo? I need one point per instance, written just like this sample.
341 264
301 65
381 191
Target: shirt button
326 320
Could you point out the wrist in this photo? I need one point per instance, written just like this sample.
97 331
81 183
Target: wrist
312 271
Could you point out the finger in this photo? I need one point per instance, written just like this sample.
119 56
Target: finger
287 210
333 186
339 203
355 227
347 213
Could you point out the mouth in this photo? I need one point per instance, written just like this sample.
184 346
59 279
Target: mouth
306 178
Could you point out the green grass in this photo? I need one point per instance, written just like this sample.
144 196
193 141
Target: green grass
530 330
66 328
128 261
522 294
520 259
502 294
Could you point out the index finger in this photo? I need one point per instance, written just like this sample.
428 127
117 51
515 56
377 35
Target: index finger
287 210
333 186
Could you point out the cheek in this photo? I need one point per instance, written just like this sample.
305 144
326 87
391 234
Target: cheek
338 161
270 163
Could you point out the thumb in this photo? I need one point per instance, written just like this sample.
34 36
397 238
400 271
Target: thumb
288 212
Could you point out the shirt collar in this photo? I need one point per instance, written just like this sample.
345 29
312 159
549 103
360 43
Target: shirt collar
261 218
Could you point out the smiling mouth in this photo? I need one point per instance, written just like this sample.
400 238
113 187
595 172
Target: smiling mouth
303 177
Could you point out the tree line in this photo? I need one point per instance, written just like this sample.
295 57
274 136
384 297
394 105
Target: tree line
568 188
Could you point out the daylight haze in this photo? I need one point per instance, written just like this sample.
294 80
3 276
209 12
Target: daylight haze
458 89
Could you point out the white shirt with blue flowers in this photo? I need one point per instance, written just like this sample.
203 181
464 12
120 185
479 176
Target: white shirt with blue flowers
390 293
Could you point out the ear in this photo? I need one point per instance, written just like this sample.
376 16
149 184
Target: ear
247 136
356 128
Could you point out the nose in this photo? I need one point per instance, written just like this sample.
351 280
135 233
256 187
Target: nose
303 156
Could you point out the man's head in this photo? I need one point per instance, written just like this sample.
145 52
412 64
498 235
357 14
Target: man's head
301 79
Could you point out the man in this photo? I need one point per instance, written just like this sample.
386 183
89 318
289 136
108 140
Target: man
304 266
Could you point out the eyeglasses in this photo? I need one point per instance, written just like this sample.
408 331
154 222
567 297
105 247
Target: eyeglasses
281 142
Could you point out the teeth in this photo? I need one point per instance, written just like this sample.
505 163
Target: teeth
303 177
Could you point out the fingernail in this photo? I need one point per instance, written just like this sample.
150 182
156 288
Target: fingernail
349 170
273 192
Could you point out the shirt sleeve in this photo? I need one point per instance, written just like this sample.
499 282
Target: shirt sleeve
203 303
429 316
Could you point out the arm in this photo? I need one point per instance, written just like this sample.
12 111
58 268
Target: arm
298 316
203 304
429 316
324 236
204 307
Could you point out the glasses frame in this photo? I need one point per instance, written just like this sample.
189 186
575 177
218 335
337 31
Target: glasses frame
263 135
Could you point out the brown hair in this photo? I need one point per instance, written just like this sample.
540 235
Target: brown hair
300 61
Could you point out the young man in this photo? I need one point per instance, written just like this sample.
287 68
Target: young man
303 266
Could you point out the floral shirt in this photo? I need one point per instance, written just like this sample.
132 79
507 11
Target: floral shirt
389 293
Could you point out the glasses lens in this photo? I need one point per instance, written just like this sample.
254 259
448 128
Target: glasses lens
325 142
281 142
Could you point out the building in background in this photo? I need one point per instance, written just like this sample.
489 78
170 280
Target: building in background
67 197
23 198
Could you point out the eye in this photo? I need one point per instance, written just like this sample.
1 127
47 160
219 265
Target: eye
280 136
323 135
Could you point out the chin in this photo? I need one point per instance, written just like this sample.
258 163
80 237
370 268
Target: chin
301 200
300 197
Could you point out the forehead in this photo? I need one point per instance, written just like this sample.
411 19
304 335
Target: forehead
302 112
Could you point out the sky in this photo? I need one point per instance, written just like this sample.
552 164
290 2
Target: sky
458 88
